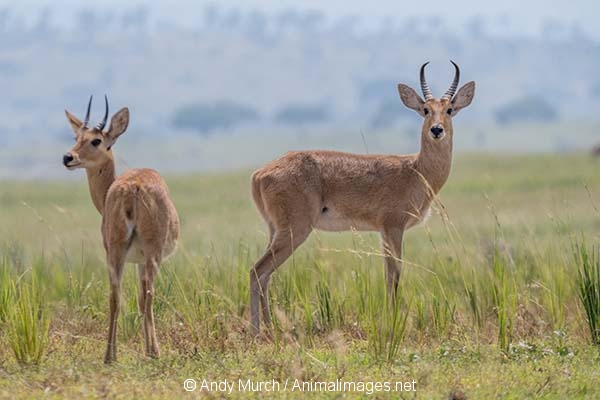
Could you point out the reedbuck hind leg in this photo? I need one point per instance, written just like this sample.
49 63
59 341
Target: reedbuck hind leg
116 261
392 247
148 272
282 245
142 290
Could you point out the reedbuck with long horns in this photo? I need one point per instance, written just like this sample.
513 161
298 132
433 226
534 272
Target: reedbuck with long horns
139 221
334 191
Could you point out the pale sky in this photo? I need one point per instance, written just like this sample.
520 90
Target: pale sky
525 16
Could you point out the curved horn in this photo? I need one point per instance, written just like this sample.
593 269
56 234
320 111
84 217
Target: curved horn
424 86
452 90
86 120
102 123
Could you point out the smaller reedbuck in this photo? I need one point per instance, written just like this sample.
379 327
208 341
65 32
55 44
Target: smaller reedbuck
139 221
335 191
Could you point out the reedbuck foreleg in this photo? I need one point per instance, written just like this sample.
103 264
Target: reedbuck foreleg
392 247
282 244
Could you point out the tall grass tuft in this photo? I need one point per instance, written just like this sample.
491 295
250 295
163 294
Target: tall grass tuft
589 286
387 327
5 290
504 301
474 304
130 318
330 310
28 320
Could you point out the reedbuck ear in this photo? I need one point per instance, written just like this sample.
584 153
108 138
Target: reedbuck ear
464 96
118 124
74 122
410 98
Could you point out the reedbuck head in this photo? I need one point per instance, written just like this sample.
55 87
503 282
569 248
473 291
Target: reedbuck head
437 113
92 146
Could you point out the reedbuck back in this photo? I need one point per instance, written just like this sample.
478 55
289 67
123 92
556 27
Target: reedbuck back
335 191
139 221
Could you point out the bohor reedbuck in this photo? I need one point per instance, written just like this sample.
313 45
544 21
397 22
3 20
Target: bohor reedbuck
139 221
335 191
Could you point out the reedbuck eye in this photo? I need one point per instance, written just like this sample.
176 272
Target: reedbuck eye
425 111
96 142
449 112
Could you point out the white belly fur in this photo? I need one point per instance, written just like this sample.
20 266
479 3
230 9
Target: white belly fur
334 222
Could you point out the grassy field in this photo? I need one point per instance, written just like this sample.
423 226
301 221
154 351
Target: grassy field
491 303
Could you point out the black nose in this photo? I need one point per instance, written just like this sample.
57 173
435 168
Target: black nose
67 158
437 131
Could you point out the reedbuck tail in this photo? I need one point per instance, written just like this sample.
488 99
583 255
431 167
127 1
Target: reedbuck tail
257 195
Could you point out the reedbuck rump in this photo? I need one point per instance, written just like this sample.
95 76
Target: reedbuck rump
139 221
334 191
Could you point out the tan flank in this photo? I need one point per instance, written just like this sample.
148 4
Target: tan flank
139 221
334 191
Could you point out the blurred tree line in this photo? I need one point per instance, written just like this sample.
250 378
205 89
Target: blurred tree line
226 114
288 68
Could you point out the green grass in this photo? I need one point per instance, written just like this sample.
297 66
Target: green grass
589 287
489 288
27 319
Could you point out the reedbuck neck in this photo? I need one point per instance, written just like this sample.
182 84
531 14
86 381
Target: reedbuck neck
434 163
99 181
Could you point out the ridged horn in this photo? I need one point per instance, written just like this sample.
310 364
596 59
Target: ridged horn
86 120
452 90
424 86
102 123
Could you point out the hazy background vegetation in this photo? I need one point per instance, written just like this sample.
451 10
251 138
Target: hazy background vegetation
215 85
